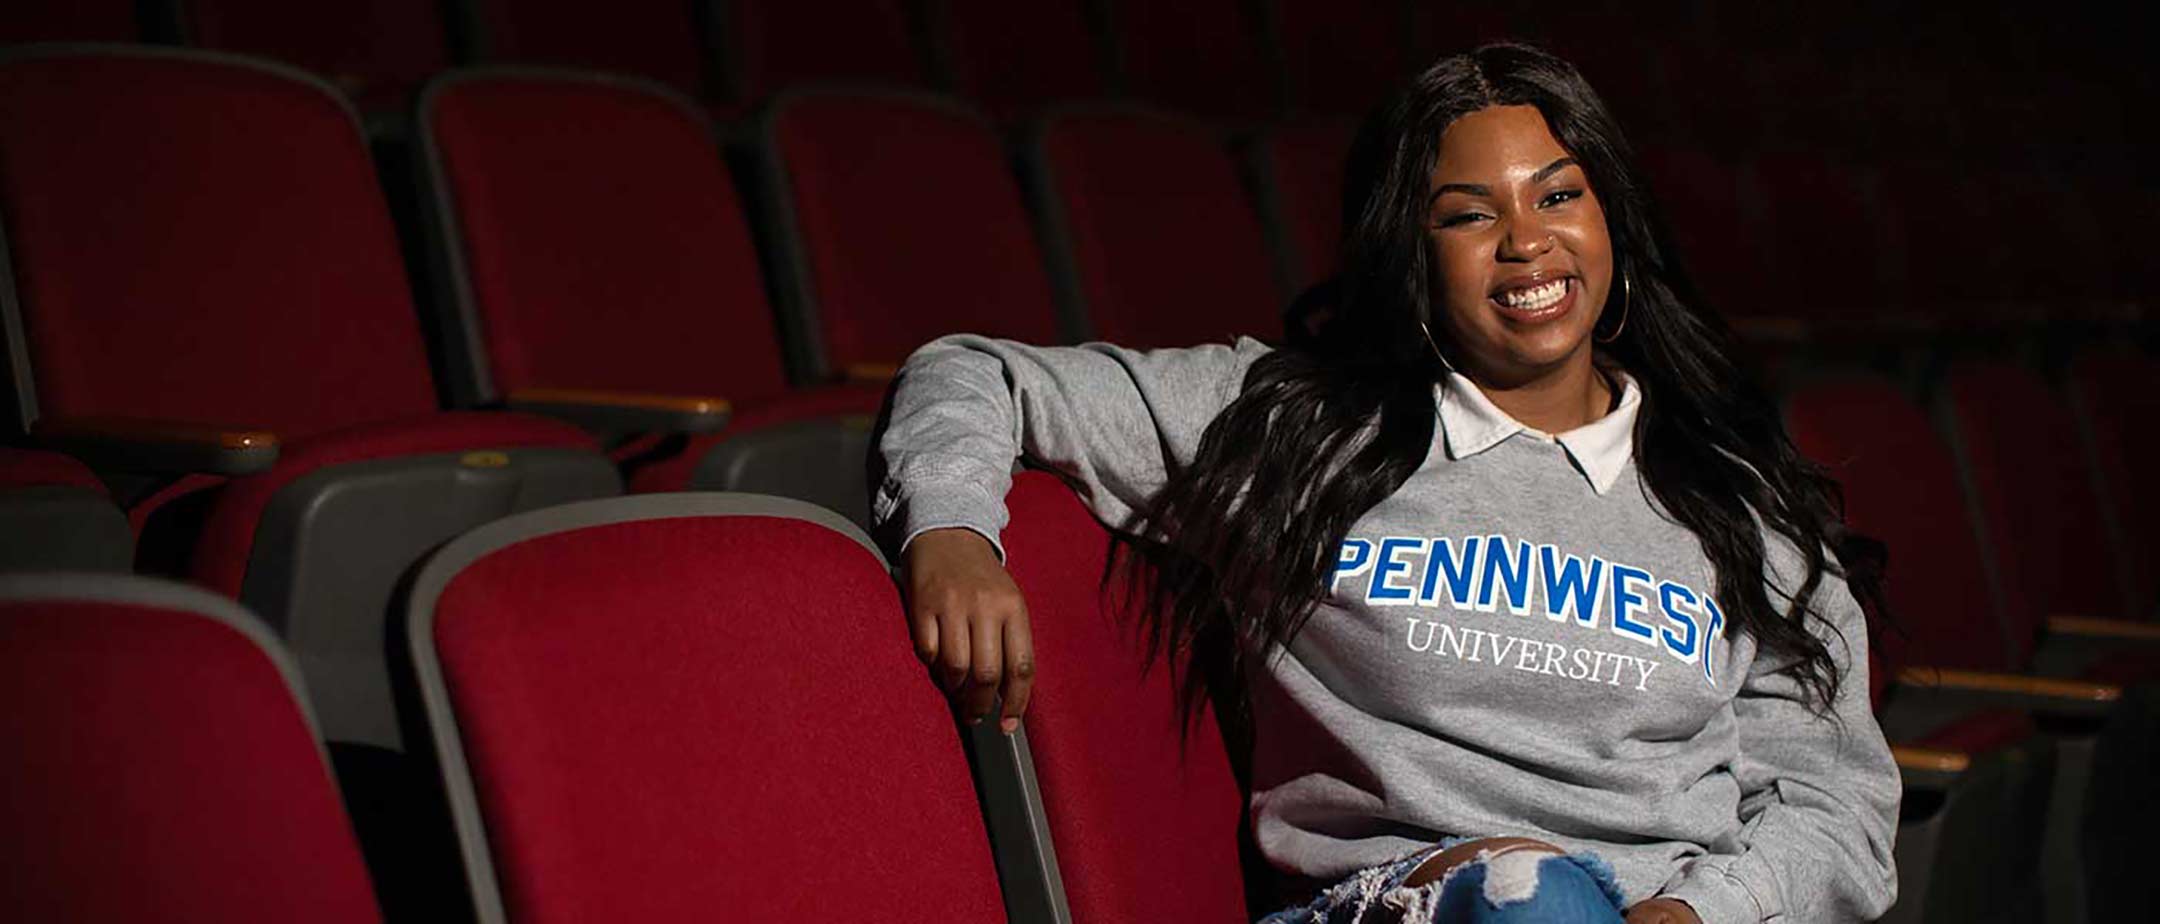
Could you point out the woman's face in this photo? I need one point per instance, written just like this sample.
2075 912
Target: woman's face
1519 246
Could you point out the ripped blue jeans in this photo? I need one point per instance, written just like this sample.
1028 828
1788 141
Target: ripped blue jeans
1512 887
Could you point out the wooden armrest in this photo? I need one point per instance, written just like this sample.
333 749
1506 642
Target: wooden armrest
1930 760
2108 629
869 373
2018 685
162 446
625 412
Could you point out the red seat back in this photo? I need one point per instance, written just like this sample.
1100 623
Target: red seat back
1199 56
159 764
656 39
247 274
377 51
1307 160
2113 391
776 44
1343 57
1165 248
1145 822
1822 213
599 239
1901 487
921 233
74 21
1015 58
697 705
1717 223
2036 496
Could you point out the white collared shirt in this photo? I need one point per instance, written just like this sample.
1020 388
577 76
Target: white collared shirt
1470 424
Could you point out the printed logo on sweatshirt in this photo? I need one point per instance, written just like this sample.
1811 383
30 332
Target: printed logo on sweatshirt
1487 573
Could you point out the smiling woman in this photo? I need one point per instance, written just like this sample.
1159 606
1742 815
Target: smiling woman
1533 467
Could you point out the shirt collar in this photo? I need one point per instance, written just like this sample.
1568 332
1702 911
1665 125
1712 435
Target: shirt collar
1470 423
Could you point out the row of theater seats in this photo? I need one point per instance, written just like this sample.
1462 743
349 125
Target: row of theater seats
634 709
215 285
1226 58
636 712
1836 73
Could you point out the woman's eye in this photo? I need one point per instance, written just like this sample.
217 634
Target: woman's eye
1459 219
1558 196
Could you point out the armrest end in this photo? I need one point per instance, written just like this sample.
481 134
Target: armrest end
159 446
625 412
2111 630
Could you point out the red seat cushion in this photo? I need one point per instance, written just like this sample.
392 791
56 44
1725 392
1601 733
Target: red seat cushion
228 536
2125 668
1145 819
30 468
1980 733
681 718
159 769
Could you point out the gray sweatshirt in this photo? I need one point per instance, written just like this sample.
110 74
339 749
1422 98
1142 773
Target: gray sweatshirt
1517 642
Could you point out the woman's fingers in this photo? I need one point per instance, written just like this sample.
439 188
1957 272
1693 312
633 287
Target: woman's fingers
1019 670
986 669
954 655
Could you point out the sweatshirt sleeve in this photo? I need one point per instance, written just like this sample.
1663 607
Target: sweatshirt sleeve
1112 420
1819 795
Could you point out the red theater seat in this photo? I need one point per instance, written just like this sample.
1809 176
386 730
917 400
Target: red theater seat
70 21
161 765
672 708
777 44
235 308
1901 486
594 262
1206 57
2046 527
1153 238
1013 59
55 515
1302 163
2112 391
1344 57
1717 221
1144 815
377 51
906 223
659 40
1822 213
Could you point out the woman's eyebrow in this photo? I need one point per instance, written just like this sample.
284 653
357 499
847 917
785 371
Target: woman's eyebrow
1478 189
1548 170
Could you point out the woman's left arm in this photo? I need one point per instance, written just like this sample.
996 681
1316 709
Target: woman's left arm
1819 794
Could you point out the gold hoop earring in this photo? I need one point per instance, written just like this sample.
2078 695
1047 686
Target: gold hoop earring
1627 299
1442 357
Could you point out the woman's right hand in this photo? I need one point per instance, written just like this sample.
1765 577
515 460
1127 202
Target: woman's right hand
970 624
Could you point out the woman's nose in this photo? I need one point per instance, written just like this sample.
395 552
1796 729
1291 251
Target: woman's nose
1526 241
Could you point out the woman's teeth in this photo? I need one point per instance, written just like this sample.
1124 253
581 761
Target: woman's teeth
1535 297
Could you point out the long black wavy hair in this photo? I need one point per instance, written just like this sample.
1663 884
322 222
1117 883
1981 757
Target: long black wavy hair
1241 540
